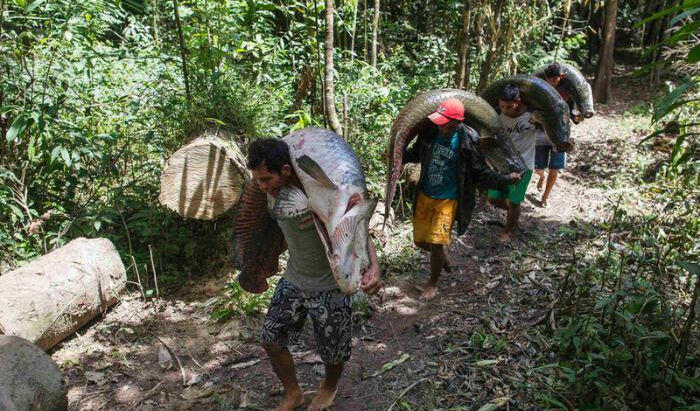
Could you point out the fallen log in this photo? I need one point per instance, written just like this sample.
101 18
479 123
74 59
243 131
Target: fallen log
54 295
29 379
205 178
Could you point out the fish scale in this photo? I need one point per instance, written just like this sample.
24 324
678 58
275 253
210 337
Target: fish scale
257 240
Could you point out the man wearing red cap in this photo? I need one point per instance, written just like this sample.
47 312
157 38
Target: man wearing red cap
451 167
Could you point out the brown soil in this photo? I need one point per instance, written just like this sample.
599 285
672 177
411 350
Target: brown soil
502 292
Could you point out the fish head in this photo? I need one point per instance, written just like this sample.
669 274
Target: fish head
345 236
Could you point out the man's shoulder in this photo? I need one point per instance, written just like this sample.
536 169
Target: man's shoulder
468 133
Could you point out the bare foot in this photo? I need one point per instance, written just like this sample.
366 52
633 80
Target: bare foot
293 400
503 236
323 399
540 183
429 292
543 203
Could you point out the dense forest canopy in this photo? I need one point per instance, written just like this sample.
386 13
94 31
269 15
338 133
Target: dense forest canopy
96 94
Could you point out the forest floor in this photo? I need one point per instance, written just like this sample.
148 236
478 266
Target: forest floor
479 342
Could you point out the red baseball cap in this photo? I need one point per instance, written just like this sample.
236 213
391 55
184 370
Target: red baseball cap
450 109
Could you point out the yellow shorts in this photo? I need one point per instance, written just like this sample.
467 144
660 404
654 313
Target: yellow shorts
432 222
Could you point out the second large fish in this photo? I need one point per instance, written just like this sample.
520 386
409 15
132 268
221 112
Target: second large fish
336 194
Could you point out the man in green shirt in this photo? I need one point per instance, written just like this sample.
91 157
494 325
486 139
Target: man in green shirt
307 287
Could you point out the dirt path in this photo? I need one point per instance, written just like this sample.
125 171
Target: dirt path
475 343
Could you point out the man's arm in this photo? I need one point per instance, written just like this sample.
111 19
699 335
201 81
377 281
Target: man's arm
486 177
483 174
370 278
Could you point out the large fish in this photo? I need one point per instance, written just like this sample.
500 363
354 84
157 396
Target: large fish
580 88
334 191
413 118
541 96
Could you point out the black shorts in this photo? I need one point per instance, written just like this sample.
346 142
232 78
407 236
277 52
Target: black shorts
331 314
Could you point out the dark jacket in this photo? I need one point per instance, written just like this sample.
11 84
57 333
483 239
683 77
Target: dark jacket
473 170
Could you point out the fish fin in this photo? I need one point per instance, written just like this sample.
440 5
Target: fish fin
291 202
312 168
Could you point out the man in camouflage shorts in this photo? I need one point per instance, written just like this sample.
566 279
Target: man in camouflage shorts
307 287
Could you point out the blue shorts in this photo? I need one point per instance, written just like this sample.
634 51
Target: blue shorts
545 157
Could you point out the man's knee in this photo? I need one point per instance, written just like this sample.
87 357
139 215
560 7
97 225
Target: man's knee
436 247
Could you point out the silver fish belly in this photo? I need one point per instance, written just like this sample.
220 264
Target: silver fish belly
337 196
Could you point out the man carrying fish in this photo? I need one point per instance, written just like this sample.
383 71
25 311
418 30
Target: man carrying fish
546 156
308 286
451 167
519 124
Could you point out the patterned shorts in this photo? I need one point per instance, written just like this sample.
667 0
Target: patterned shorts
331 314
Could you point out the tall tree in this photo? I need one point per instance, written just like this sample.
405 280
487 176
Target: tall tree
375 32
354 30
462 76
365 45
493 20
331 113
601 88
183 52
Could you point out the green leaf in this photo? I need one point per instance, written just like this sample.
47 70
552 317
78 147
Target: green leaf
18 126
551 401
31 148
65 155
658 15
16 210
97 225
683 15
663 107
34 4
694 54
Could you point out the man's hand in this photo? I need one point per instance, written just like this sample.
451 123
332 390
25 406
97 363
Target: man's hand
370 278
566 147
515 177
370 283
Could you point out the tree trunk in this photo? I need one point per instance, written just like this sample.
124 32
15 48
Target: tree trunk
462 77
318 63
601 88
329 87
486 67
365 46
375 32
183 52
647 27
154 7
53 296
479 33
658 37
205 178
592 32
354 30
564 25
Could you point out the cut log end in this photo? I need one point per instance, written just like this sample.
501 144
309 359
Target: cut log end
205 178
